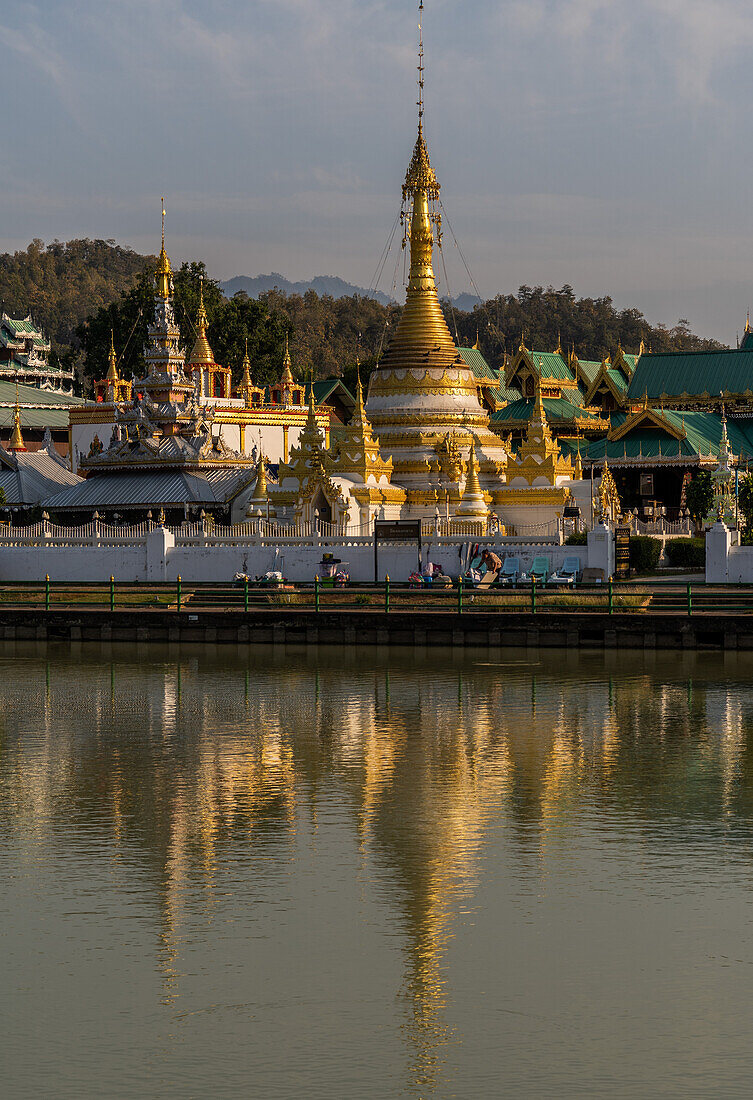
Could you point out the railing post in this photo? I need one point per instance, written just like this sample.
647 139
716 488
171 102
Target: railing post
178 591
245 593
47 591
112 593
460 595
690 601
611 597
387 592
316 592
533 595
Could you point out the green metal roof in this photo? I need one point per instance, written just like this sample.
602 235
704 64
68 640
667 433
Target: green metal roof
703 435
478 364
590 369
556 408
692 373
552 365
326 387
506 393
35 418
619 380
32 395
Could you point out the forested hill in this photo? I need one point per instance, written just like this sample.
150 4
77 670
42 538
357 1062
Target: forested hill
61 284
80 289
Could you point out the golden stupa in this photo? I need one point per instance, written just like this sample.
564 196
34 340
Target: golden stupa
423 398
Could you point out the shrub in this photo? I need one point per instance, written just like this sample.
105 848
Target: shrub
686 553
578 538
644 553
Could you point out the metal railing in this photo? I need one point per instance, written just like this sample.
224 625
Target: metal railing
322 597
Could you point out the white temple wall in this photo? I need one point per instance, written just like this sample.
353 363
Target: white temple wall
159 559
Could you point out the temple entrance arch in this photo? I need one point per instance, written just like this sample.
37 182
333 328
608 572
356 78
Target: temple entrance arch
321 505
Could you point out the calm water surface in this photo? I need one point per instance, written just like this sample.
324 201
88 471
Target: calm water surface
293 873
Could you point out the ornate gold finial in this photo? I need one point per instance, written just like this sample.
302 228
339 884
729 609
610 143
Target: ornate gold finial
641 349
112 372
538 408
260 489
558 349
16 439
477 345
164 271
747 321
420 176
202 353
287 374
246 385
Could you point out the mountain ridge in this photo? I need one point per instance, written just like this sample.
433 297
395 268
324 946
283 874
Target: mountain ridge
332 285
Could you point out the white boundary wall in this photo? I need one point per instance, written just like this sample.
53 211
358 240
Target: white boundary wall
196 553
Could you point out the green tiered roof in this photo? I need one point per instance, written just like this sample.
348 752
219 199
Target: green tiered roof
702 436
690 374
475 360
590 369
556 409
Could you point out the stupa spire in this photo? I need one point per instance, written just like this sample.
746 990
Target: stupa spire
112 371
16 439
202 353
287 374
164 271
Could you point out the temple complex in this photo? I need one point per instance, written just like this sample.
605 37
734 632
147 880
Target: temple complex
256 419
166 449
24 356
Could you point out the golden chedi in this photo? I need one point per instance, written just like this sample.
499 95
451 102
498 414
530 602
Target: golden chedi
423 397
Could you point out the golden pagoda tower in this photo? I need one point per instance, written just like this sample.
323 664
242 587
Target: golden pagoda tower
473 504
112 370
210 378
422 391
16 439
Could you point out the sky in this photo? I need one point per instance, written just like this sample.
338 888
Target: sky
597 143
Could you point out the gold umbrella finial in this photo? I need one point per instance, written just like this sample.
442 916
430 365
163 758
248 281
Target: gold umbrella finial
16 439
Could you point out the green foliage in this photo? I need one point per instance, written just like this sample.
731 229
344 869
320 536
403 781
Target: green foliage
545 316
577 538
59 284
686 553
644 553
700 497
79 289
745 507
231 323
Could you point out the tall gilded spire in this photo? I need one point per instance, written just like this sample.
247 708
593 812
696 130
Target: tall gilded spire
422 322
202 353
422 389
16 439
112 372
164 271
287 374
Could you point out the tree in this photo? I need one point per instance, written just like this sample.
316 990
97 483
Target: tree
745 506
700 497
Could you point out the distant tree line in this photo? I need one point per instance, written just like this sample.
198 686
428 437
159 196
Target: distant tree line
80 290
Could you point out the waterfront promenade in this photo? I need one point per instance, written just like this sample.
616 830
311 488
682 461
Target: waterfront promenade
621 615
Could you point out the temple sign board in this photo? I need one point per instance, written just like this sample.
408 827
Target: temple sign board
397 530
622 551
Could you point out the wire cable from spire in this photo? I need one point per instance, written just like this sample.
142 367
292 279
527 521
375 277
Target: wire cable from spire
462 257
420 103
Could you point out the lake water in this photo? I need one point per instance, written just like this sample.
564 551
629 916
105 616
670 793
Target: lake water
294 873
